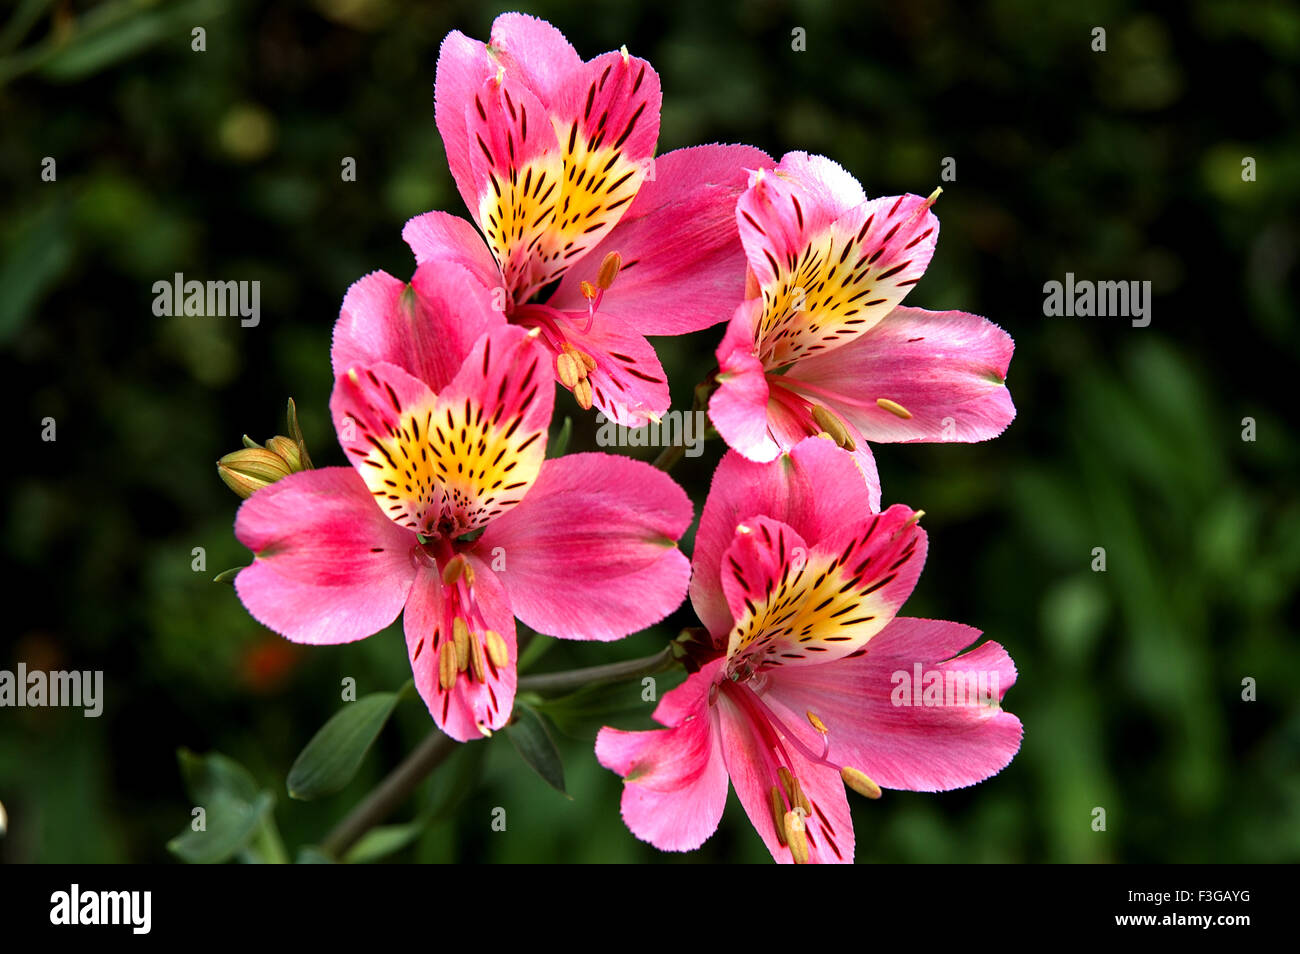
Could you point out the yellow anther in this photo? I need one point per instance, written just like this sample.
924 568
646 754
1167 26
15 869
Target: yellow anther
460 634
933 196
778 813
456 567
477 661
582 394
893 407
496 649
795 836
860 782
787 783
588 290
831 423
609 270
567 368
816 723
447 669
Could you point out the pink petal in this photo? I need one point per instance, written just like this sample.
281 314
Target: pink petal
753 772
947 369
739 408
470 706
382 416
825 281
329 567
628 383
535 52
437 236
463 65
675 784
816 489
426 328
925 748
683 265
590 553
796 605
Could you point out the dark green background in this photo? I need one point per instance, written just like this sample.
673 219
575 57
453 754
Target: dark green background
1117 165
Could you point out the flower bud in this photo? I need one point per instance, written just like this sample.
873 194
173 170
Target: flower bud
249 470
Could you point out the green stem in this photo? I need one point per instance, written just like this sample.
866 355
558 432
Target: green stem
401 782
610 672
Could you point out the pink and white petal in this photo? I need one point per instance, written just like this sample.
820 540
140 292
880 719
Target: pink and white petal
739 406
517 170
843 280
827 188
426 328
471 708
486 439
683 266
383 417
439 237
801 606
535 52
816 489
964 739
675 779
329 567
463 65
943 372
606 121
762 557
591 552
753 772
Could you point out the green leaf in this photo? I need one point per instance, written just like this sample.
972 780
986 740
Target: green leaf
532 740
385 840
234 808
311 855
332 757
561 443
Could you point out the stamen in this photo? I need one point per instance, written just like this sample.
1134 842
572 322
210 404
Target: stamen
893 407
816 723
588 290
609 269
794 833
831 423
860 782
567 370
477 662
778 813
582 393
447 670
496 649
460 632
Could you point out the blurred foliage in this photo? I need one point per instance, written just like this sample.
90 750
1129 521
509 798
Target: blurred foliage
226 163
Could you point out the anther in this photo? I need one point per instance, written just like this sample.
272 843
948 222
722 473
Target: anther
816 723
496 649
477 662
831 423
609 268
860 782
567 368
778 813
794 833
460 633
893 407
447 667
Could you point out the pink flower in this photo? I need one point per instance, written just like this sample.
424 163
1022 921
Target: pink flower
824 344
799 694
589 238
450 511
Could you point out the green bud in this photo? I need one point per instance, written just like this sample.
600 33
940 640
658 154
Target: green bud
249 470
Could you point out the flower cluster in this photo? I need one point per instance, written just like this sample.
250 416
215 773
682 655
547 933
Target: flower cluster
582 244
